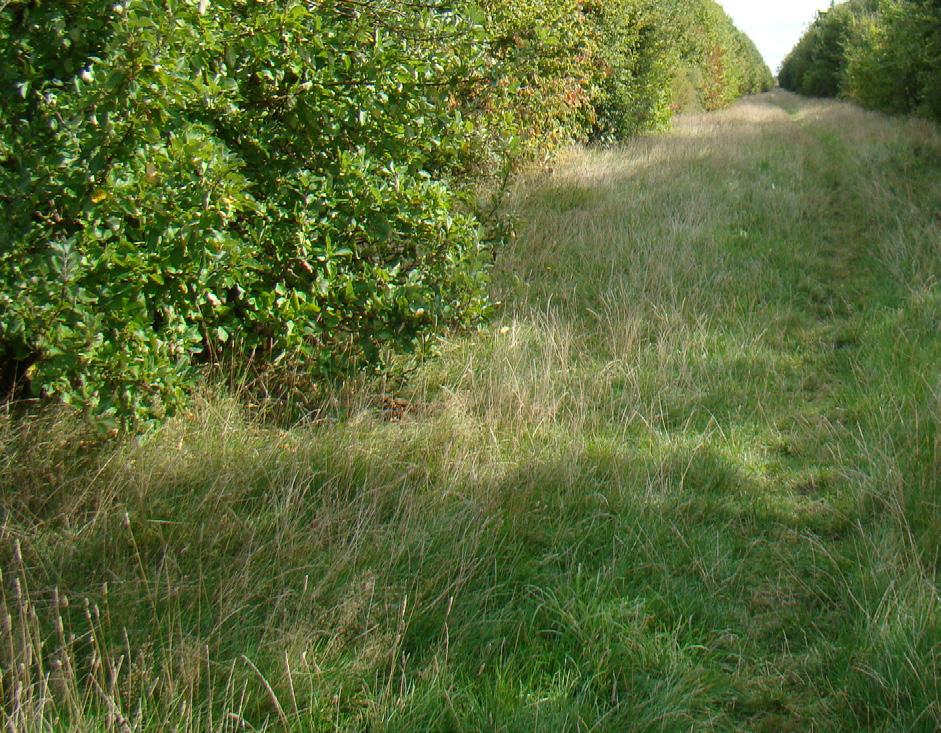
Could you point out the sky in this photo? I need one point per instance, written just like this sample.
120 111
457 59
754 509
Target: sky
775 25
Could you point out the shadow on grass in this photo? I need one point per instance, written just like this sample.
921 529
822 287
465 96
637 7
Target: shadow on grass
612 585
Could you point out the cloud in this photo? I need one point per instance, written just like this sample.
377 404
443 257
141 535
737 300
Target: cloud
773 25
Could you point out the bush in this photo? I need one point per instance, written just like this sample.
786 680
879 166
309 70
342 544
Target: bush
260 177
633 91
720 62
884 54
291 182
894 62
817 66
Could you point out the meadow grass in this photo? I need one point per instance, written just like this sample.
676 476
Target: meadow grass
688 480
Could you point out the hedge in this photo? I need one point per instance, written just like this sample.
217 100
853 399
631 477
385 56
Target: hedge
289 183
883 54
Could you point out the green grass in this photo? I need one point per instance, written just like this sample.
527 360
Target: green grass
687 481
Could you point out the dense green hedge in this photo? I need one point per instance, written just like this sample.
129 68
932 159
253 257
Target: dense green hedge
293 182
884 54
717 60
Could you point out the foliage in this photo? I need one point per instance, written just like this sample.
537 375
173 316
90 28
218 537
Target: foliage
894 63
884 54
720 62
286 182
261 173
817 65
656 52
580 70
633 92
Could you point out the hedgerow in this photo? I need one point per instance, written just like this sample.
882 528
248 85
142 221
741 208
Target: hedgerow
884 54
718 61
265 175
291 182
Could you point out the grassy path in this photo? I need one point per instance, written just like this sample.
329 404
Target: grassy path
689 481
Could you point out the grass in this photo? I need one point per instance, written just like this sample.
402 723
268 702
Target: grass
688 481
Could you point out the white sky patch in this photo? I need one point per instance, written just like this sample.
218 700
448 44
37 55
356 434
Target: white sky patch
774 25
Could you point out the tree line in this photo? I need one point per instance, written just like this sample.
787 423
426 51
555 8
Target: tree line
883 54
294 184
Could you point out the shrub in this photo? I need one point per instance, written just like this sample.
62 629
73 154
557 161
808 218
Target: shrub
184 178
894 62
291 182
633 90
884 54
820 68
718 61
540 55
